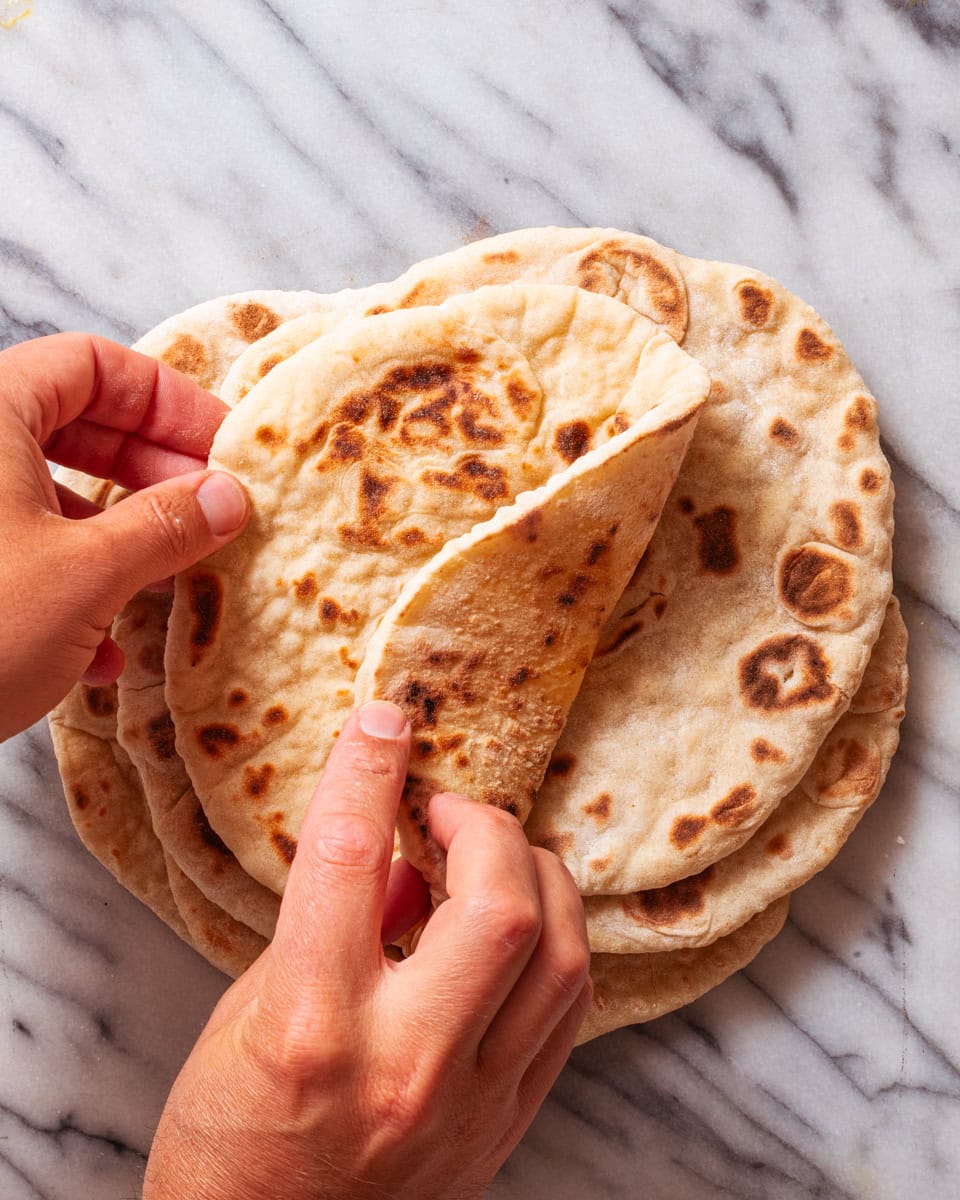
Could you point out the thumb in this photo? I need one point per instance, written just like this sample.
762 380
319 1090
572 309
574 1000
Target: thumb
160 531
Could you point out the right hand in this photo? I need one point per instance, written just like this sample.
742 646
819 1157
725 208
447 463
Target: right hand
330 1071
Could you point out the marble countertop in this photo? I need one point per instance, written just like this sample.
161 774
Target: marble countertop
157 155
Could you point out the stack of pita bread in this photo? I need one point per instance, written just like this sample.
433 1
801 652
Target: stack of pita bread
611 524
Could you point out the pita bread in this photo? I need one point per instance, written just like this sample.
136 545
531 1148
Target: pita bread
215 920
765 338
110 814
104 788
99 781
629 989
633 269
488 685
230 917
568 257
364 455
145 731
104 800
226 944
762 591
797 840
259 359
752 616
204 341
201 342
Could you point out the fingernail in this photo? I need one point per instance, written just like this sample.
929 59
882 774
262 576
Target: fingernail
381 719
223 501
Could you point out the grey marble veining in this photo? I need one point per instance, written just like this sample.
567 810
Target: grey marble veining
155 155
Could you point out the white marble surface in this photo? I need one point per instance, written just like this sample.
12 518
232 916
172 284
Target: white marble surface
156 155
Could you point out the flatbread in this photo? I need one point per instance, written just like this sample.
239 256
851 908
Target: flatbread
201 342
629 989
145 731
99 781
226 944
822 554
753 614
762 592
364 455
633 269
797 840
486 646
283 342
204 341
110 814
104 799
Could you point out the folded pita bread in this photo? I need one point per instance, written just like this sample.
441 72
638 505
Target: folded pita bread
363 456
488 685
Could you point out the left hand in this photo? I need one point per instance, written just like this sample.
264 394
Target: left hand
66 567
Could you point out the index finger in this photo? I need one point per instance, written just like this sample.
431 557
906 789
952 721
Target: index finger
88 400
492 920
328 934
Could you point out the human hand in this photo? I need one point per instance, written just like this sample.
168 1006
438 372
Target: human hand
67 568
331 1071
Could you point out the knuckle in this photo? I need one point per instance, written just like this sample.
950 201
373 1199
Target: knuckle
517 925
167 527
371 762
349 841
570 968
556 871
461 1119
401 1106
403 1097
292 1048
